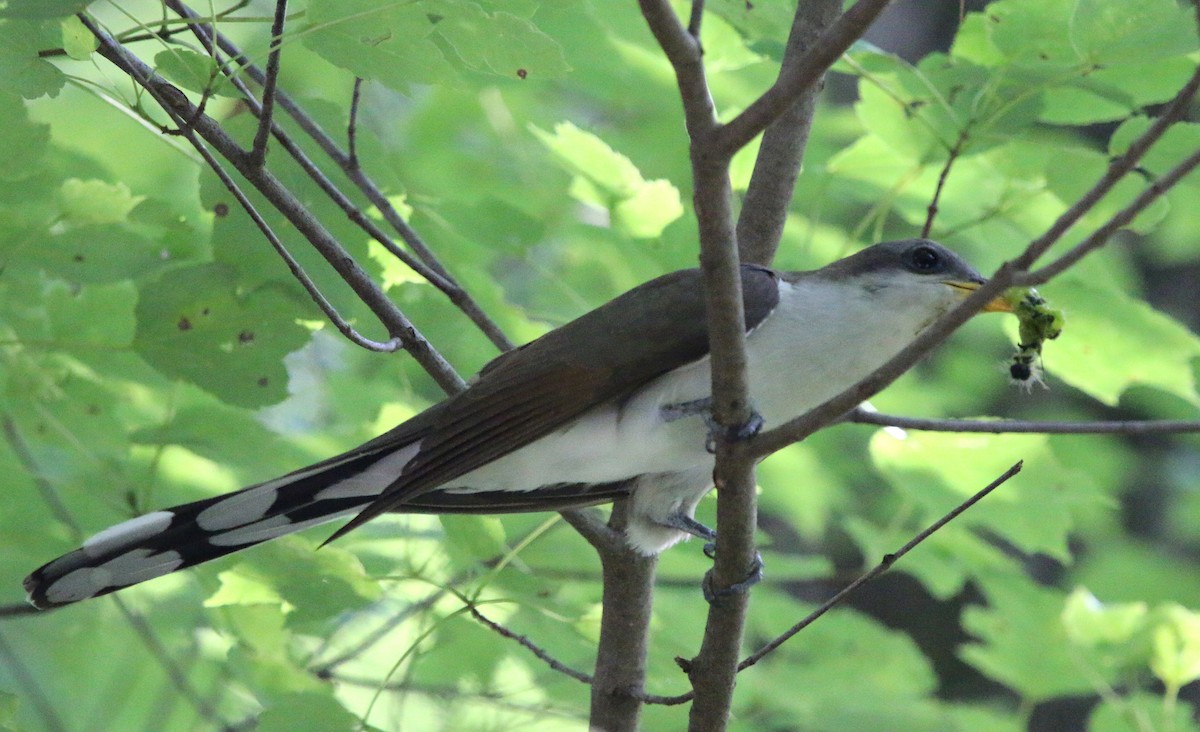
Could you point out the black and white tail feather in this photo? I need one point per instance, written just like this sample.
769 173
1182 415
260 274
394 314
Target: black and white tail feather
164 541
172 539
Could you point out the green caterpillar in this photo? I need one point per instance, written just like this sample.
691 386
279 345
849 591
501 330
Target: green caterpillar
1038 323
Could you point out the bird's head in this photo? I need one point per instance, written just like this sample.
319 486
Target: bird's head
915 274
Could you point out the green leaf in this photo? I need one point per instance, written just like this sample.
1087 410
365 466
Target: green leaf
474 538
1107 32
96 202
499 43
1089 622
939 470
23 142
1112 639
318 710
78 41
1140 711
1176 659
1032 31
22 71
1021 641
607 178
389 43
1113 341
314 585
95 316
193 325
42 8
193 71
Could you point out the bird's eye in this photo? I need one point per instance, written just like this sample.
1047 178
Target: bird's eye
924 259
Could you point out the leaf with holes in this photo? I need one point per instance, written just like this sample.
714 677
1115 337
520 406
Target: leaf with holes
193 325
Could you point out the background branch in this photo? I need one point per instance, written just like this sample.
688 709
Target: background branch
769 195
1010 426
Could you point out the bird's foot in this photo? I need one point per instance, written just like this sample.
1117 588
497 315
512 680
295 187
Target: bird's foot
703 408
715 594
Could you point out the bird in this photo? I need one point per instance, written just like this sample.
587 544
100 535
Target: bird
612 404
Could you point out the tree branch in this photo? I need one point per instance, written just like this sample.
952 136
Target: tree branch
769 195
1008 426
258 153
177 105
1117 169
441 278
620 674
711 672
524 641
807 70
884 565
1100 236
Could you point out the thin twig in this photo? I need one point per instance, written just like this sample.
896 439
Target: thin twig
352 211
847 29
457 295
177 105
883 566
529 645
695 19
1006 426
955 150
1100 236
33 691
258 153
352 125
391 345
1117 169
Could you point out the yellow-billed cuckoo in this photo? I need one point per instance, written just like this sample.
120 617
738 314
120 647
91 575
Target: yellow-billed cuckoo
602 407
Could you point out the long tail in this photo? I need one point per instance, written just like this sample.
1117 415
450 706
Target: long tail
162 542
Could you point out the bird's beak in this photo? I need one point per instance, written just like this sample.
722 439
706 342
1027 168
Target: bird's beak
999 305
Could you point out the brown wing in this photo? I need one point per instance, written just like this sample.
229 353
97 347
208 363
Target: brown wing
527 393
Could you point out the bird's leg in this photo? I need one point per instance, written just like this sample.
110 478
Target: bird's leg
703 408
712 594
689 525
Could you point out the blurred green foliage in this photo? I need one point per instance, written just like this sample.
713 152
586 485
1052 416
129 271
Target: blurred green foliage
155 350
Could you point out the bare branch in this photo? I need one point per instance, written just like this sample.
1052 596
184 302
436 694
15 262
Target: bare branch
293 266
177 105
1101 235
687 59
807 70
769 195
352 125
1008 426
955 150
711 672
529 645
591 526
884 565
258 153
1117 169
695 19
627 600
441 279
